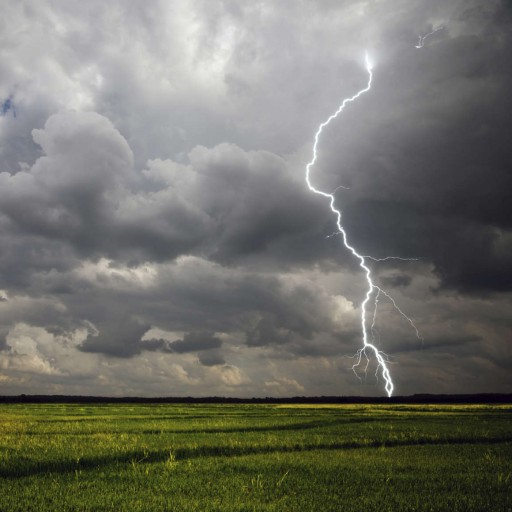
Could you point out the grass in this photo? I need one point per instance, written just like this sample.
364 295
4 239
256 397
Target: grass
255 458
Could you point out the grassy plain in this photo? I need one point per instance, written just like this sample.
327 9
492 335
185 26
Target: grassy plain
255 458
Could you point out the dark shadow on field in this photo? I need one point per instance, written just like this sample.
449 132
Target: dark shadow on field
137 457
129 425
271 415
263 428
226 430
179 417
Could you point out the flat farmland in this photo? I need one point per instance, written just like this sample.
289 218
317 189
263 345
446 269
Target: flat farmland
203 457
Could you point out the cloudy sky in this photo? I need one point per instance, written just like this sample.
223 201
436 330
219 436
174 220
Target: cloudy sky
157 234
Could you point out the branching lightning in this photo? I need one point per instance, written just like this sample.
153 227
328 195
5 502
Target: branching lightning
421 39
373 290
387 258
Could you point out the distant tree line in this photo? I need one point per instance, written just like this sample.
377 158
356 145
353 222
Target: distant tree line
482 398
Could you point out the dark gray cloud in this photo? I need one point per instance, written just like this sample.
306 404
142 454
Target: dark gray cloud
205 345
433 144
211 358
156 228
191 342
119 337
396 280
196 341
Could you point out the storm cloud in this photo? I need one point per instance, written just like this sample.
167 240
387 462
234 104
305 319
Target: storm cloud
157 233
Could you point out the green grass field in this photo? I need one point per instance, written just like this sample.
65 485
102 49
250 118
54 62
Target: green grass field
255 457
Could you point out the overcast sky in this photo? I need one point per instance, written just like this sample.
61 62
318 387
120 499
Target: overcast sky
157 234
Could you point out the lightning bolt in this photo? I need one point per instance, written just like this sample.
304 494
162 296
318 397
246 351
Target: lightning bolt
368 348
421 39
